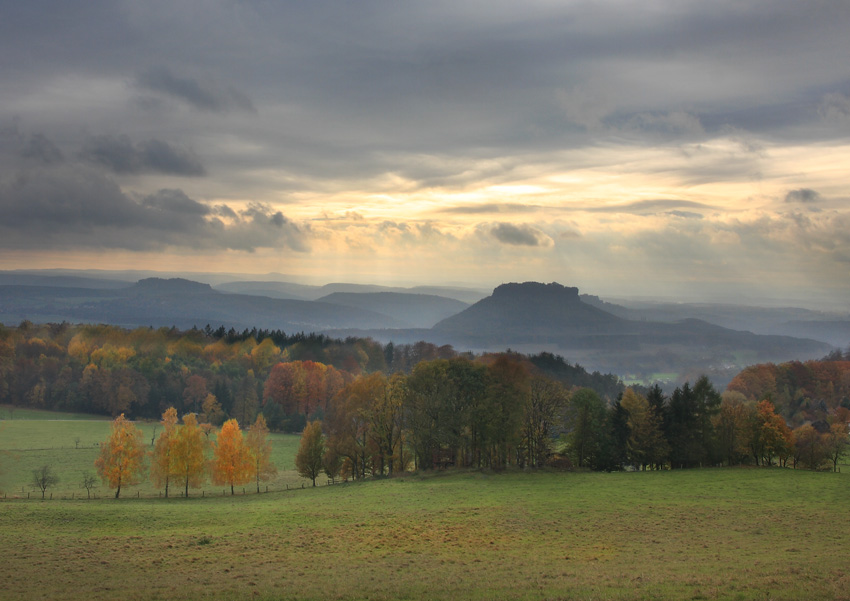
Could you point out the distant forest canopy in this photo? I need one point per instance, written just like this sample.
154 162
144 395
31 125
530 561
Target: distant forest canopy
801 391
216 373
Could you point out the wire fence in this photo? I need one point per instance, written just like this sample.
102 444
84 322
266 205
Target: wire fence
36 495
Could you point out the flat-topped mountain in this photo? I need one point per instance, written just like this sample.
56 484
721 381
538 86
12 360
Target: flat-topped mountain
530 316
527 311
170 286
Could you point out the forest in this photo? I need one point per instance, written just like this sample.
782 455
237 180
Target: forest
370 410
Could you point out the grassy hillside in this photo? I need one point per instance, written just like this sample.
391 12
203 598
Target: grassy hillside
700 534
27 444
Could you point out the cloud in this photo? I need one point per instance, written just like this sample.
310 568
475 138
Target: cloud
649 207
41 149
673 122
120 155
204 94
804 195
490 207
835 108
685 214
519 235
73 206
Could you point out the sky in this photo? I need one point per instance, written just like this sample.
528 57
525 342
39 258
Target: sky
677 149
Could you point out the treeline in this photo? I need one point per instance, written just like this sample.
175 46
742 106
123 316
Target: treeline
802 392
182 456
501 411
215 373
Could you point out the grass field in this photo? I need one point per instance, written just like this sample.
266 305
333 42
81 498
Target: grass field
742 534
703 534
31 440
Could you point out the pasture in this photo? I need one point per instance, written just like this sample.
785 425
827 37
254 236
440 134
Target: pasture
702 534
741 534
70 444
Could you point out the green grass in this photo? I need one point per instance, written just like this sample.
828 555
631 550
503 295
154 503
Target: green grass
9 412
27 444
748 534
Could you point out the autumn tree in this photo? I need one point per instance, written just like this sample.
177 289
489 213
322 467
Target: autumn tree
385 415
231 463
212 411
163 455
194 393
308 460
809 447
543 406
348 425
835 442
122 456
730 425
44 478
775 435
188 453
507 383
260 448
331 463
646 444
246 404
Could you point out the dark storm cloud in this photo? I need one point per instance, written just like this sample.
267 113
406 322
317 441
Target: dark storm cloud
516 235
802 195
75 206
41 149
120 155
203 94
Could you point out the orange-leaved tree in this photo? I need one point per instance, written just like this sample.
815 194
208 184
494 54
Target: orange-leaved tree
122 455
189 460
260 448
231 462
162 456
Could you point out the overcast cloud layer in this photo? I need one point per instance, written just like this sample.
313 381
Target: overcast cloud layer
655 148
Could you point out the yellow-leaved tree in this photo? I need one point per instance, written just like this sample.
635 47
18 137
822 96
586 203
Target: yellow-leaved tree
162 456
260 448
122 456
308 460
231 462
189 460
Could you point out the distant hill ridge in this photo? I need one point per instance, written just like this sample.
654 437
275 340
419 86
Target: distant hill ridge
172 286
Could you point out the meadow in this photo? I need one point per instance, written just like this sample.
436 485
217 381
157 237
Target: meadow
743 534
69 443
